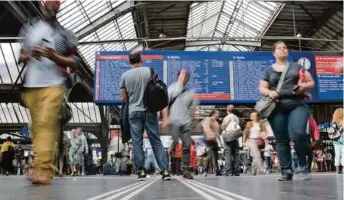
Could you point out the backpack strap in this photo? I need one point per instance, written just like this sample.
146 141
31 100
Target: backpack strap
175 98
154 75
152 71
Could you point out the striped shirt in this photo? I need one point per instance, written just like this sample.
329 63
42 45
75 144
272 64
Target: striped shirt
44 72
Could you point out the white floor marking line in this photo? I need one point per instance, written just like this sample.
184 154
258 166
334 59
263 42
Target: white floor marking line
127 191
223 191
205 195
224 197
114 191
129 196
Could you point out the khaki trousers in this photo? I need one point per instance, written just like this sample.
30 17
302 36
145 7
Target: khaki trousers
45 108
257 164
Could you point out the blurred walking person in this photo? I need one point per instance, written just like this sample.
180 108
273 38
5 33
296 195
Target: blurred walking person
211 130
254 131
75 153
47 48
7 156
181 106
336 134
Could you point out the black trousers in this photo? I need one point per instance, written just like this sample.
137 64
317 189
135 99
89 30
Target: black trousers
176 165
212 156
7 162
183 132
231 153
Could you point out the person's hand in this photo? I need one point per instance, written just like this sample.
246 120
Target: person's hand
300 90
48 52
273 94
164 123
182 77
36 52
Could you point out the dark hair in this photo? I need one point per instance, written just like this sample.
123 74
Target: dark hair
213 112
135 57
275 45
9 139
256 113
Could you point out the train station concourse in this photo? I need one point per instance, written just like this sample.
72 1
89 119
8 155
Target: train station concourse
171 100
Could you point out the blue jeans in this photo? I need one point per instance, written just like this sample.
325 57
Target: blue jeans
290 125
138 122
295 163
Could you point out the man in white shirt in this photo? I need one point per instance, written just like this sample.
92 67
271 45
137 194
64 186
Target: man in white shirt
47 50
231 151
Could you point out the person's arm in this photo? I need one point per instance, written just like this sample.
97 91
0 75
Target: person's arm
175 91
247 131
264 132
3 147
225 123
24 56
60 60
264 86
164 113
307 85
124 94
309 82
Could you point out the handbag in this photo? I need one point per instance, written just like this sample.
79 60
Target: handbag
66 113
232 132
266 105
260 143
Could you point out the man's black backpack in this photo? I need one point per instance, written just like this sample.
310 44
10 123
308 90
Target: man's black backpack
156 95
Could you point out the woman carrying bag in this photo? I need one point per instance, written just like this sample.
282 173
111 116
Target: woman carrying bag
286 84
336 134
254 133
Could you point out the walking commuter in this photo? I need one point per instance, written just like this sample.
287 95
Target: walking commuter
255 130
179 111
7 156
75 153
133 84
336 134
211 130
289 119
231 151
47 47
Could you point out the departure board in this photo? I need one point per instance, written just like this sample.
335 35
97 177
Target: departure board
216 77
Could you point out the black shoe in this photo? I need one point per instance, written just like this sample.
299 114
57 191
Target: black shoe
142 176
188 175
235 174
218 173
286 177
166 175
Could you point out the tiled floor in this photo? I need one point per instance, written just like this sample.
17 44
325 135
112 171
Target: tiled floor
321 187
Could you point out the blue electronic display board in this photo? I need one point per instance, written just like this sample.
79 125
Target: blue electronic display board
217 77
